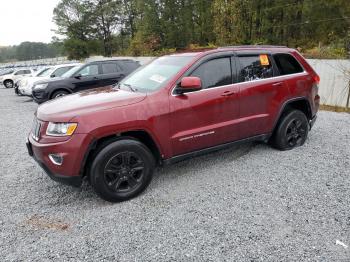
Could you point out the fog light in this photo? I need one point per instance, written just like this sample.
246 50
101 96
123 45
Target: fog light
56 159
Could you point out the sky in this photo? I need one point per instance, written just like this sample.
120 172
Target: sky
26 20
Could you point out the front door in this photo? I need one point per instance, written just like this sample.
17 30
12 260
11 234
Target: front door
207 117
87 78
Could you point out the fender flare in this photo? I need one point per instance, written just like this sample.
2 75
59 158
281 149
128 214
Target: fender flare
285 105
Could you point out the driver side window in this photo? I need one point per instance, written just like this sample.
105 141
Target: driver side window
89 70
213 73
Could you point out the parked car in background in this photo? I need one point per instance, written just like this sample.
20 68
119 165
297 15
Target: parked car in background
176 107
9 80
25 85
6 71
88 76
20 81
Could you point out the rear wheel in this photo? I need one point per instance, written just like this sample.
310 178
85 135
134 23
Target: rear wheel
8 83
292 131
59 93
122 170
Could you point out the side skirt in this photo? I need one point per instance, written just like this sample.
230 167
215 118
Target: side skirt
175 159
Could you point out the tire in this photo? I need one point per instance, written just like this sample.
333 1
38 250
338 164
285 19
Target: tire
8 83
122 170
59 93
292 131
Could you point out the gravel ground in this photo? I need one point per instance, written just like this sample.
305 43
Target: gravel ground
250 203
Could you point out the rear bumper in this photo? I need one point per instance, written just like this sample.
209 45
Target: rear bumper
73 152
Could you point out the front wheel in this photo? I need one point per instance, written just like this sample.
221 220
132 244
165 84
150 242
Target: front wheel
292 131
59 93
122 170
8 83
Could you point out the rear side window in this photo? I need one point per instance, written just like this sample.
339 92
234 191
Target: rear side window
287 64
216 72
255 67
110 68
20 72
27 72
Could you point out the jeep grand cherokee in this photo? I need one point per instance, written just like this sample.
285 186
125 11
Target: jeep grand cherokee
176 107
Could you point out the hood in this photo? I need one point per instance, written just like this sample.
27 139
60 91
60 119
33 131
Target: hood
33 79
49 80
65 108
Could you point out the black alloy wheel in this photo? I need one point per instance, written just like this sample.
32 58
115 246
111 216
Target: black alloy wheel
121 169
124 172
292 130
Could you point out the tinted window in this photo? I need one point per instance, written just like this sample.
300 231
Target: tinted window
287 64
255 67
129 66
89 70
27 72
110 68
216 72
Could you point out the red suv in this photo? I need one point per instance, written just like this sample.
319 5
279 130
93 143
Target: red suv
176 107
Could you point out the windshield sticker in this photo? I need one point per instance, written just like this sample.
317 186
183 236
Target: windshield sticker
158 78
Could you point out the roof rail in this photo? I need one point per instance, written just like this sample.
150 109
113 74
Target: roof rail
253 46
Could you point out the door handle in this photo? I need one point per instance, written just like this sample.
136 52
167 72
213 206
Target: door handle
277 84
228 93
95 78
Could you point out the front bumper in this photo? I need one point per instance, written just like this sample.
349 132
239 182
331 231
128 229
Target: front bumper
40 96
312 121
73 150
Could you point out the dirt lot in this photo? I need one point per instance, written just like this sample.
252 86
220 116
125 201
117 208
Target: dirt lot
250 203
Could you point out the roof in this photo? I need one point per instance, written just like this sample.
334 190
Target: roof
271 48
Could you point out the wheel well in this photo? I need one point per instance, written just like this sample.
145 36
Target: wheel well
302 105
8 80
60 89
97 145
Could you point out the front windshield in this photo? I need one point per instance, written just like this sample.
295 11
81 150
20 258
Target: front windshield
71 71
43 72
153 76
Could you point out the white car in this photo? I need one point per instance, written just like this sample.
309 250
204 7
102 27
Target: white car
25 86
8 80
20 82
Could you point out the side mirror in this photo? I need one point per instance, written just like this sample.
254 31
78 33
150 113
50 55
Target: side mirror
78 76
189 84
53 75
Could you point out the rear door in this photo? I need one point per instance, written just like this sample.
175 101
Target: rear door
261 91
112 73
86 78
207 117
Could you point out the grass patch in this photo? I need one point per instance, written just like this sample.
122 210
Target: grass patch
334 108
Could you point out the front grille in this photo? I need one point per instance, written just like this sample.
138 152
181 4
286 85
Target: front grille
36 129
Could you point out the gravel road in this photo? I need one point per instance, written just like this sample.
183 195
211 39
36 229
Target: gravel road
249 203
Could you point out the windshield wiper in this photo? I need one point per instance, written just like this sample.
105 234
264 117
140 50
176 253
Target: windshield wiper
130 86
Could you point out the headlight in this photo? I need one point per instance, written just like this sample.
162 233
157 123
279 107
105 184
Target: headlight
61 129
40 87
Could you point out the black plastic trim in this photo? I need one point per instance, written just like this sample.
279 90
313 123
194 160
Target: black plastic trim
200 152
